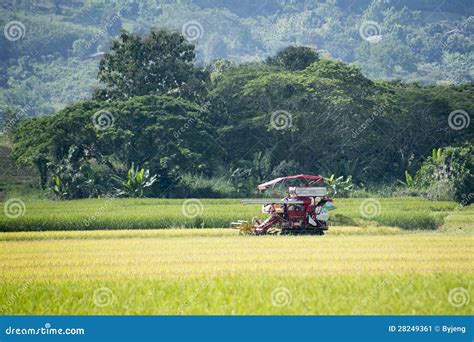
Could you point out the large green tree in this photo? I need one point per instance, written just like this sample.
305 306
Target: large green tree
158 63
294 58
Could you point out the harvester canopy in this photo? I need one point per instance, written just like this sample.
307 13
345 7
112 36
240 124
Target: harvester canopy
308 178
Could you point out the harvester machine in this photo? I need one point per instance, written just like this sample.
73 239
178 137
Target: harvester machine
303 211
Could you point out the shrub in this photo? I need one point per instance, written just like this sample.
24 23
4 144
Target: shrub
448 175
339 187
202 187
135 183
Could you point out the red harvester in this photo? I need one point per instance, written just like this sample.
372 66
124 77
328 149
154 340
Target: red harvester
304 209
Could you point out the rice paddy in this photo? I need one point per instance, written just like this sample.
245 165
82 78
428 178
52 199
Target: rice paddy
215 271
110 213
365 268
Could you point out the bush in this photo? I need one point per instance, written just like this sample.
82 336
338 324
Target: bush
202 187
448 175
338 186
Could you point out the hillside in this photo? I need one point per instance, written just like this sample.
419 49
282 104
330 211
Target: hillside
51 58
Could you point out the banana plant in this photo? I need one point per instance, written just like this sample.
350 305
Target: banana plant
436 154
59 188
339 187
408 180
135 183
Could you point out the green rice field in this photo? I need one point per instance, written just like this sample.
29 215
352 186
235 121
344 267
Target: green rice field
110 213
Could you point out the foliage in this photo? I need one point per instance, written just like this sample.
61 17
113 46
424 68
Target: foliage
270 119
326 106
408 180
436 154
135 183
157 64
199 186
338 186
72 178
294 58
36 88
163 134
448 174
416 46
172 135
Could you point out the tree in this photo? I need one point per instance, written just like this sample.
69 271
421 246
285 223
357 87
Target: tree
156 64
94 140
294 58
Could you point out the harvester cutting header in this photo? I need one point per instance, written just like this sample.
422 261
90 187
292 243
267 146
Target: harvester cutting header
304 209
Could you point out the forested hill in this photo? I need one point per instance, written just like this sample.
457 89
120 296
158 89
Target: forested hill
50 49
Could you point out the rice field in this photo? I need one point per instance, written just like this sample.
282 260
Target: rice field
361 266
216 271
110 213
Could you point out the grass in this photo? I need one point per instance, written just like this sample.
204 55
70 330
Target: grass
215 271
407 213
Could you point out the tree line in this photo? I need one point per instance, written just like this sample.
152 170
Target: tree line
294 112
